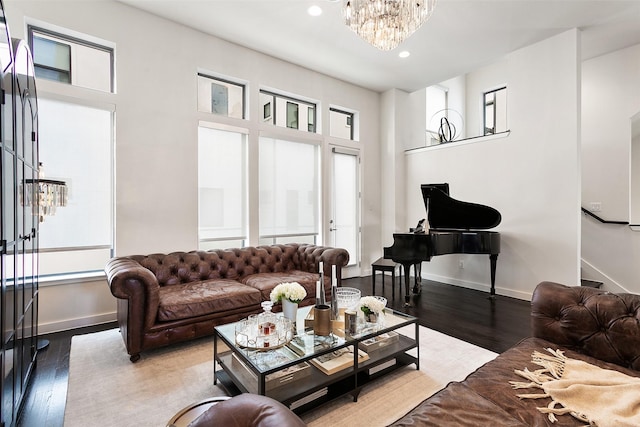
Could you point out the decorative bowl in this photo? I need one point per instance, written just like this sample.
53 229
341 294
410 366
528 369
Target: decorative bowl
347 297
381 299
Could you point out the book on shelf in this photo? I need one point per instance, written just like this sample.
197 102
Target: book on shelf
269 360
382 366
309 398
307 344
379 341
338 360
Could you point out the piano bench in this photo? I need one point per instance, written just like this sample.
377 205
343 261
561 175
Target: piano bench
382 265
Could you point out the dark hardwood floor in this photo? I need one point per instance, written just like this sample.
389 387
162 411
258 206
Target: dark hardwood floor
461 313
466 314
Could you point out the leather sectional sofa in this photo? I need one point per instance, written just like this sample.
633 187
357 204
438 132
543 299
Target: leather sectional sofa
588 324
168 298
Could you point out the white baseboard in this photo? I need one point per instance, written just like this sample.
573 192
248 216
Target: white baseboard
67 324
526 296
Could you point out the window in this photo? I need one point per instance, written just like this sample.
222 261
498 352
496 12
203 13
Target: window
289 191
222 188
437 110
54 59
221 97
78 150
288 112
71 60
341 124
495 111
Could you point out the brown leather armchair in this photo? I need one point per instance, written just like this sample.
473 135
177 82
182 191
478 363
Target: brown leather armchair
244 410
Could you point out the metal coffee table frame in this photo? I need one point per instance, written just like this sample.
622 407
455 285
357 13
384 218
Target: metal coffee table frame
307 393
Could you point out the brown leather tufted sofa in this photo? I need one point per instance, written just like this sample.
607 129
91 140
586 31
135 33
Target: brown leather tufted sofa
598 327
168 298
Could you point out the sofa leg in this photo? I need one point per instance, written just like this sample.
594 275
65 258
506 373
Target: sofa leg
134 358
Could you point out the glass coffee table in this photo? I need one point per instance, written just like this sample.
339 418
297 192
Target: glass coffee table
312 370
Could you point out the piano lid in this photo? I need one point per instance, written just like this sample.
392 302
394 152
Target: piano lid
444 212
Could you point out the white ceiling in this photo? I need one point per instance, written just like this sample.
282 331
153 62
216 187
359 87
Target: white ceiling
461 36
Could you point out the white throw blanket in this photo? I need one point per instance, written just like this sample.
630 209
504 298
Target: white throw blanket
597 396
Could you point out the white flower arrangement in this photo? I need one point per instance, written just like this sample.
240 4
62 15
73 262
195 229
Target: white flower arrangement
371 305
293 291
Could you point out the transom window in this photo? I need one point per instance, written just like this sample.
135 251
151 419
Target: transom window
341 124
284 111
67 59
221 97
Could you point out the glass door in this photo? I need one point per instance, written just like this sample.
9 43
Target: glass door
344 222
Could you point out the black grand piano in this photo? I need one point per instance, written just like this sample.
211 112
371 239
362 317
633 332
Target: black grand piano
455 227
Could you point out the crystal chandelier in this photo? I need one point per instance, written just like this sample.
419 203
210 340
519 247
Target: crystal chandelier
386 23
45 195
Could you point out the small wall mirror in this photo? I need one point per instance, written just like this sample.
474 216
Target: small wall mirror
634 174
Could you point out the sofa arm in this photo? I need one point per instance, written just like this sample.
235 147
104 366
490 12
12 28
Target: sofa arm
335 256
591 321
312 255
130 281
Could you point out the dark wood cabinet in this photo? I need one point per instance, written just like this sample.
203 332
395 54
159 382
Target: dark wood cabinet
19 223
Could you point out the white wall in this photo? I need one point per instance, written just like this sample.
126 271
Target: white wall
395 130
67 305
456 99
611 96
634 173
532 176
156 132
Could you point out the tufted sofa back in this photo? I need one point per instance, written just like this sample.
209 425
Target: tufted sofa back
234 264
591 321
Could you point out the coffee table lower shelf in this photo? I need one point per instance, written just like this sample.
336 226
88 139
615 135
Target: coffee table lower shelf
318 388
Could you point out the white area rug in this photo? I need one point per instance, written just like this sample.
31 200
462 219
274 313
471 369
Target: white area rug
106 389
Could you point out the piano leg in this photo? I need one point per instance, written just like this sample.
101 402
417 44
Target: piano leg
417 268
494 262
407 284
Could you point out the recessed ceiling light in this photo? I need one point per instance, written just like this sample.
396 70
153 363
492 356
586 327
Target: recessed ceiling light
314 10
404 54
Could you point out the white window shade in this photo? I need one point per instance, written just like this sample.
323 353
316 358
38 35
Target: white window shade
289 188
222 185
76 147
